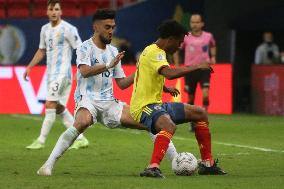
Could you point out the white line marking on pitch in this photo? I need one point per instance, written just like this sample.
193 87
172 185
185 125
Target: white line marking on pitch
175 137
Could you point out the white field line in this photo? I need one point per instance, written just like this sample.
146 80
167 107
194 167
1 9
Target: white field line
132 131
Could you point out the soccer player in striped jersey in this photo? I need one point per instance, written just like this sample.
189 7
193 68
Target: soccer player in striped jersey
146 104
98 63
58 38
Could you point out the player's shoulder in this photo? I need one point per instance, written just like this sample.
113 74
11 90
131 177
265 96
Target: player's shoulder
69 26
206 33
85 45
112 49
154 52
154 49
45 26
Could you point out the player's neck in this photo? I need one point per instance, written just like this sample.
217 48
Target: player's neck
161 43
55 23
197 33
98 42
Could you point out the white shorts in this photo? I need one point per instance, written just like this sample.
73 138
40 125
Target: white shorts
106 112
59 90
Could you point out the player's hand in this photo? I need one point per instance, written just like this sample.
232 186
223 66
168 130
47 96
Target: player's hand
116 60
173 91
27 73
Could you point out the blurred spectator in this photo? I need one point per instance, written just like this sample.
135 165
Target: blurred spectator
268 51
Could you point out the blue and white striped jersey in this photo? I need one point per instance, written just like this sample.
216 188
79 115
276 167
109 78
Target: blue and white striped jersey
59 41
98 87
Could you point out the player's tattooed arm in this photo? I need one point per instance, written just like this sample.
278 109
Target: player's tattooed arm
125 82
173 73
88 71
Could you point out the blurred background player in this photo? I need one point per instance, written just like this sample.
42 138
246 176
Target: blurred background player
98 63
57 40
146 104
199 46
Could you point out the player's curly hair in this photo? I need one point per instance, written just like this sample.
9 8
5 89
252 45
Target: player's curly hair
103 14
171 28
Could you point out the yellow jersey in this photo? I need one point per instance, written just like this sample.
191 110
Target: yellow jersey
148 83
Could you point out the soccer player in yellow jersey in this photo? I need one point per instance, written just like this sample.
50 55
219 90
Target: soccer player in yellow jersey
147 108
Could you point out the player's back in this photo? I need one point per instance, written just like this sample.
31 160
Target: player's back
148 83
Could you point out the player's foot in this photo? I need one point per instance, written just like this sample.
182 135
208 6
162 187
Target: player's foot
45 170
213 170
152 172
80 143
35 145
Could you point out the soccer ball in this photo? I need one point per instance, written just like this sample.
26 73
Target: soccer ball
184 164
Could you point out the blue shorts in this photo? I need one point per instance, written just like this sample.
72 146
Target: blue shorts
152 112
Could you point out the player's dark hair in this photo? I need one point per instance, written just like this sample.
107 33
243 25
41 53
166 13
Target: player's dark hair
103 14
53 2
171 28
198 14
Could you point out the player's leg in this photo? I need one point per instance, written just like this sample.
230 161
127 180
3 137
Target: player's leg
49 119
199 116
83 120
67 118
127 121
157 119
191 82
205 84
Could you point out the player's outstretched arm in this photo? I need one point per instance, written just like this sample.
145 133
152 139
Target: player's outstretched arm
39 55
125 82
88 71
173 73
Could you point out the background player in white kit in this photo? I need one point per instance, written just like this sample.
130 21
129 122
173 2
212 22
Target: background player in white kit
57 41
98 62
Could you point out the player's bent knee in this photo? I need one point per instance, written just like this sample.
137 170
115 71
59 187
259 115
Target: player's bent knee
165 123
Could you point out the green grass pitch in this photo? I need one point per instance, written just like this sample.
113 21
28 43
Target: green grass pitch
250 148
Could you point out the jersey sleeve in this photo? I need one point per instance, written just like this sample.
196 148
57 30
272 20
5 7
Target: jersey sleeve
74 38
42 44
83 56
158 60
212 42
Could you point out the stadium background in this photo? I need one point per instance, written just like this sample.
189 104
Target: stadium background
237 31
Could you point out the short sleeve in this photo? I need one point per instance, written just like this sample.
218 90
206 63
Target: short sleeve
42 44
158 60
74 38
83 56
212 42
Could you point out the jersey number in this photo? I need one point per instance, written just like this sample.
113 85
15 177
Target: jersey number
55 87
106 74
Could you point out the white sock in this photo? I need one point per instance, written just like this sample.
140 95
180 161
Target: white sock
49 119
68 121
64 142
171 152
